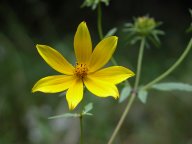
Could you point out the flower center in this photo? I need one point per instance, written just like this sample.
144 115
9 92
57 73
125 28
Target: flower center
81 70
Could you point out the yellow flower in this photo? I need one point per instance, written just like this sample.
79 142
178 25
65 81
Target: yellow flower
87 71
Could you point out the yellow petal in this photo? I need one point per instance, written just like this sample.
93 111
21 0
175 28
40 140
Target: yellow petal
100 88
55 59
82 43
102 53
75 93
53 84
114 74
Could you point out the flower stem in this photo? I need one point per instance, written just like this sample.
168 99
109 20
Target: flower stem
100 30
81 128
114 62
99 21
172 68
127 108
133 94
139 63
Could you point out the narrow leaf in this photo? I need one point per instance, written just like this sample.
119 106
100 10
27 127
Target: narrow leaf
87 114
66 115
125 92
62 94
142 95
171 86
111 32
88 107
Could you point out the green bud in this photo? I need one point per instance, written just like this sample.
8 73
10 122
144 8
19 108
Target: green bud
144 25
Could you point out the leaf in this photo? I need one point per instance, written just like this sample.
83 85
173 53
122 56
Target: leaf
190 27
88 114
125 92
171 86
66 115
88 107
94 3
128 25
111 32
142 95
62 94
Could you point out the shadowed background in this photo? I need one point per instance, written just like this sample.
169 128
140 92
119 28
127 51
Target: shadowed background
164 119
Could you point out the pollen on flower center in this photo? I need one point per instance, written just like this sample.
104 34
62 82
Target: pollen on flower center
81 70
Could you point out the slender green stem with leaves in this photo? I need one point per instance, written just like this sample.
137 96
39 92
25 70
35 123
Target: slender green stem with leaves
172 68
133 94
143 29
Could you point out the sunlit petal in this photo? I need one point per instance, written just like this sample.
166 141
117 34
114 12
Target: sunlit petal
75 94
55 59
101 88
114 74
53 84
82 43
102 53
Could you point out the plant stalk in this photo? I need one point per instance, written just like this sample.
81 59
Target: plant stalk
100 30
99 21
81 128
172 68
133 94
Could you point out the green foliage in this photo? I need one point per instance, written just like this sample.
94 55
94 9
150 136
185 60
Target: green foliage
85 111
125 92
190 27
88 108
111 32
94 3
172 86
66 115
143 27
142 95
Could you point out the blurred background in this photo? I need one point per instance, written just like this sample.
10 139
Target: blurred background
166 118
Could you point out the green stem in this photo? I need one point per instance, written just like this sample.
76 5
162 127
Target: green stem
127 108
139 63
100 30
114 62
133 94
172 68
81 128
99 21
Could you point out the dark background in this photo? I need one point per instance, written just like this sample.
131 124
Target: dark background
165 119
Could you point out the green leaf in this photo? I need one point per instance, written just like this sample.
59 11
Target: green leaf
66 115
88 114
190 27
88 107
142 95
94 3
62 94
171 86
125 92
190 11
111 32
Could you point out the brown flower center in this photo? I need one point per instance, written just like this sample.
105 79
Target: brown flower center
81 70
